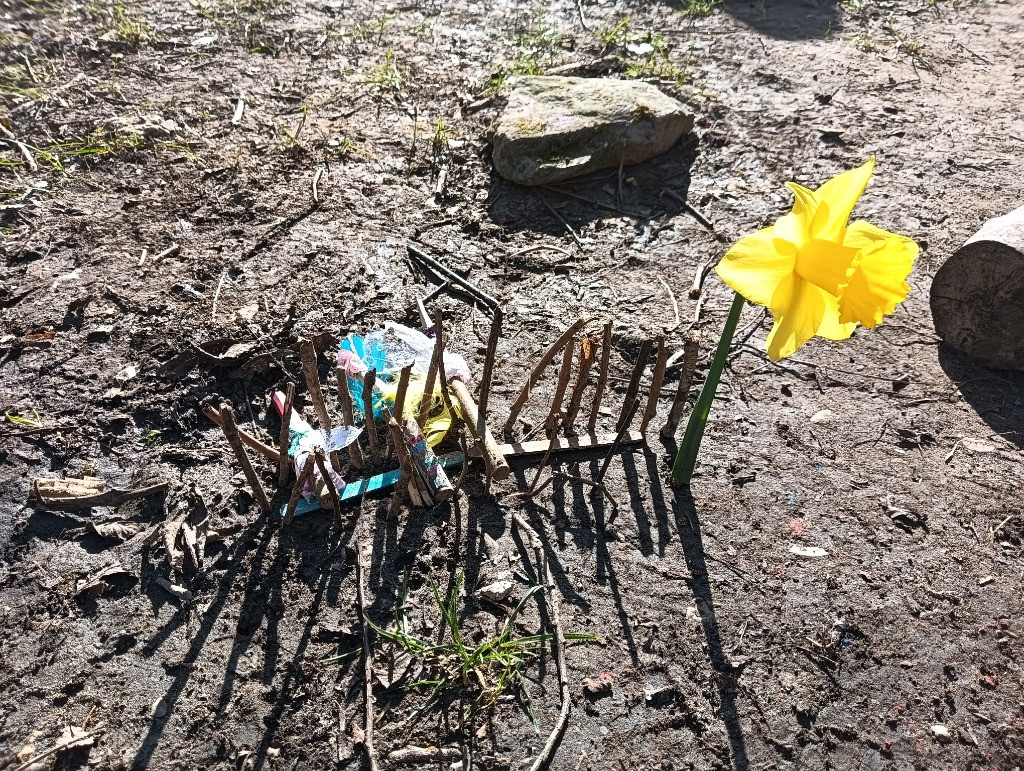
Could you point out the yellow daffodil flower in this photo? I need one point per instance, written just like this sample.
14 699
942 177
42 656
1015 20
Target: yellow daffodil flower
818 273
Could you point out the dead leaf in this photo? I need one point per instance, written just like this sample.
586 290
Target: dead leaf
93 586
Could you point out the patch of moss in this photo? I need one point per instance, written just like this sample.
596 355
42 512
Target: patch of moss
530 126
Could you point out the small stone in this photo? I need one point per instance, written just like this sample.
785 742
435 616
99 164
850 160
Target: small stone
822 416
941 733
496 592
556 128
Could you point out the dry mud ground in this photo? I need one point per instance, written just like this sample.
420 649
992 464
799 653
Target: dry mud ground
726 650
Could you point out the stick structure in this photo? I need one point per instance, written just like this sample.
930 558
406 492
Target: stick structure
425 463
284 466
435 364
231 434
657 379
602 377
691 347
628 414
369 379
538 370
403 387
564 373
355 453
497 466
586 359
634 384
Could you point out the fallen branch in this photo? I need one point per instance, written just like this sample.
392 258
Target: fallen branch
106 498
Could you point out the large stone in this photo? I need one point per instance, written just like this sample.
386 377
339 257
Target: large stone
555 128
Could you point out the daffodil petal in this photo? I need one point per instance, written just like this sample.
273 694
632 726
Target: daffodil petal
826 264
799 309
805 207
831 326
836 199
877 283
754 267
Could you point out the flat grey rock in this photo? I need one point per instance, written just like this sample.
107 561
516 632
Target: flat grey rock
556 128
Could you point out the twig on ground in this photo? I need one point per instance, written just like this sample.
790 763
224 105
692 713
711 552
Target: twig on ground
547 753
230 429
86 738
368 706
596 485
316 183
560 218
602 376
216 294
698 280
418 254
675 305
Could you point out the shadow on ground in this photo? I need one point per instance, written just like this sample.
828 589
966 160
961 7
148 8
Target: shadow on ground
788 19
996 395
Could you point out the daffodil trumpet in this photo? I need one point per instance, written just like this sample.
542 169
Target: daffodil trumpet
818 273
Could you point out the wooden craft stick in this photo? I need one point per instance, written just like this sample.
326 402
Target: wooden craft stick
497 467
307 353
586 359
538 370
369 379
564 373
284 464
634 383
691 347
355 453
657 379
488 371
263 449
602 376
227 416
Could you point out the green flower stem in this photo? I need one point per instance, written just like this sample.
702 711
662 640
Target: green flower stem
686 458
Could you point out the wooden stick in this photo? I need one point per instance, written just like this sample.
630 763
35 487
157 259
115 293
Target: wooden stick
691 347
657 379
428 386
634 383
497 466
582 376
538 370
332 489
300 483
284 465
263 449
564 373
230 429
369 379
403 387
307 353
488 372
602 376
414 487
355 453
547 753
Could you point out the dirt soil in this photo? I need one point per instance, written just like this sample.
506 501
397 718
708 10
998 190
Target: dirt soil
207 126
